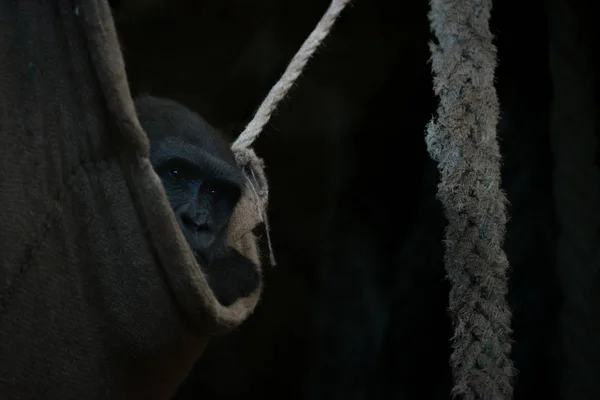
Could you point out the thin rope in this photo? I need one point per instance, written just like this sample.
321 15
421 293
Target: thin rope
246 158
289 77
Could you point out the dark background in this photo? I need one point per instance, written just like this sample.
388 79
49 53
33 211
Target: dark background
356 307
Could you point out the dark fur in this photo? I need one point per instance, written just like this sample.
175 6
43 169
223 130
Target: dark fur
177 133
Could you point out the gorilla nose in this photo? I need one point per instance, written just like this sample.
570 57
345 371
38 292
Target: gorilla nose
195 221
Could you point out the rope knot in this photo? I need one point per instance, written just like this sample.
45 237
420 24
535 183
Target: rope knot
253 169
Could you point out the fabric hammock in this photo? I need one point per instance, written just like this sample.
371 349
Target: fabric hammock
100 296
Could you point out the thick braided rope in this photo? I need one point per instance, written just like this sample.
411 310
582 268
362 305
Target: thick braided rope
462 139
291 74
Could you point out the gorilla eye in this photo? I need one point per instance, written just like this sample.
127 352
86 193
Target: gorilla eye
175 174
221 194
179 171
210 188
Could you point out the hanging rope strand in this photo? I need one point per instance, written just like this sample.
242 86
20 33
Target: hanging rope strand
462 139
291 74
246 158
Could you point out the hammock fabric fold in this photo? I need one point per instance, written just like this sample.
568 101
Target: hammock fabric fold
100 296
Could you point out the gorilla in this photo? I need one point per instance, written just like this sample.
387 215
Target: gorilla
203 184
